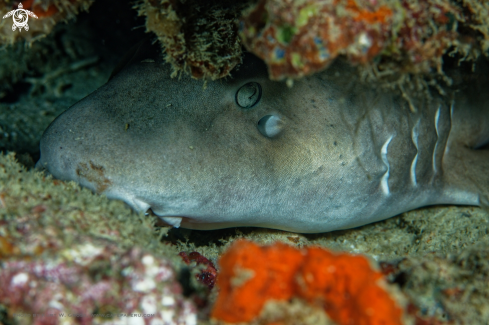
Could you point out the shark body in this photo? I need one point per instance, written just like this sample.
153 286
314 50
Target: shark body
327 154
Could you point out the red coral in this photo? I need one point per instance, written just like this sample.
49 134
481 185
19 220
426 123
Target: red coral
208 275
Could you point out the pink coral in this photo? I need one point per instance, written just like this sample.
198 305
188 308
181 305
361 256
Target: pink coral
93 281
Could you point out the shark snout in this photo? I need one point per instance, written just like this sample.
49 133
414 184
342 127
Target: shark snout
57 155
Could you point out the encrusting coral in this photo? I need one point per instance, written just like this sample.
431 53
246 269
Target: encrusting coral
346 288
99 264
49 12
90 281
297 38
198 37
391 40
401 43
445 288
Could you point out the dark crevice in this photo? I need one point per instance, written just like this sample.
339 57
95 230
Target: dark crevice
18 90
205 237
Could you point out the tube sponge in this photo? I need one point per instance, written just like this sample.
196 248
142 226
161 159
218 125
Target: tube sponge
346 287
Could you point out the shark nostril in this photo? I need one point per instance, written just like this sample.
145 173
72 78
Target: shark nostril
270 125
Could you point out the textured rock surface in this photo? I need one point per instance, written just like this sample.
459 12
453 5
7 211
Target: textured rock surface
198 38
58 258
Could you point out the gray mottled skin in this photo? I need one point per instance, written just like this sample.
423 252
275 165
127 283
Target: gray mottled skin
346 155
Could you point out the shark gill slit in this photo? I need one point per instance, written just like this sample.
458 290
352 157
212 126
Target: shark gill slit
438 138
414 137
452 104
384 182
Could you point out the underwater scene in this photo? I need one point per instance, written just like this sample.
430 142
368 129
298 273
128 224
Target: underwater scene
274 162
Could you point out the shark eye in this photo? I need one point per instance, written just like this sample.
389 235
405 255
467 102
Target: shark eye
270 125
248 95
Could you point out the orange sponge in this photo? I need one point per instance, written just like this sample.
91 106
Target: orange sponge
345 286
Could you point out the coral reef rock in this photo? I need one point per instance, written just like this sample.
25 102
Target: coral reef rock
297 38
445 288
63 264
48 12
199 38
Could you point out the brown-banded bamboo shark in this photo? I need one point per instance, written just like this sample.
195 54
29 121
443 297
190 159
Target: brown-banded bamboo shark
329 153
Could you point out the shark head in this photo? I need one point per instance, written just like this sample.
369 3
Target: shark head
243 151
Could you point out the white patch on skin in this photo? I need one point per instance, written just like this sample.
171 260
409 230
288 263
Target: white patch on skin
364 42
38 269
83 254
145 285
148 304
19 279
54 303
167 316
384 182
148 260
167 301
151 271
191 318
135 320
